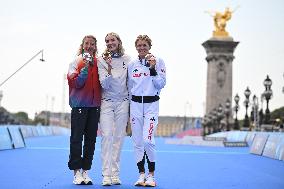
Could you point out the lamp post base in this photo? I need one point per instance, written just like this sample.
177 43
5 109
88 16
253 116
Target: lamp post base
236 125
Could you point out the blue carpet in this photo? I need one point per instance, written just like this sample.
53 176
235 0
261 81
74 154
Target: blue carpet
43 164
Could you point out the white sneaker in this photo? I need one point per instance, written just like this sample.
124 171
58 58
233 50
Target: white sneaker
78 178
140 181
87 179
106 181
115 180
150 181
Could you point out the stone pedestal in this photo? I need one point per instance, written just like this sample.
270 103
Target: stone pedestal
219 71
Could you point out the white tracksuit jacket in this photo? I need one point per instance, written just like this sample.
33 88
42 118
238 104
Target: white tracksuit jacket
144 116
114 112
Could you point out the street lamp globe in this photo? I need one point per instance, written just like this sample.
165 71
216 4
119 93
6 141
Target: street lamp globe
267 83
247 93
237 99
267 95
220 109
228 103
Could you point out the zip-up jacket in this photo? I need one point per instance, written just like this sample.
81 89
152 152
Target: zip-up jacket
143 81
84 84
114 86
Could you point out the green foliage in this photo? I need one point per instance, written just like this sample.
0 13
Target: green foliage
22 118
278 114
39 121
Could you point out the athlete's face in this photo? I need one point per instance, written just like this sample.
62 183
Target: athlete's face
112 43
142 48
89 45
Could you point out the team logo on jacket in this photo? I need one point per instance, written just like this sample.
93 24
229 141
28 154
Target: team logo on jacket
163 70
135 74
146 74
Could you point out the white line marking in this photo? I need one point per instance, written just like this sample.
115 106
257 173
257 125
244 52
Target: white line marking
158 151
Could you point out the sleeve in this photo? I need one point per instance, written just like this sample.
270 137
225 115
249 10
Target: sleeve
159 76
77 78
104 76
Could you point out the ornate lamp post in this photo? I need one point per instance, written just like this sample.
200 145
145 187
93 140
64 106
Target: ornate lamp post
255 112
209 123
236 124
204 123
227 113
267 94
246 104
214 120
220 116
260 113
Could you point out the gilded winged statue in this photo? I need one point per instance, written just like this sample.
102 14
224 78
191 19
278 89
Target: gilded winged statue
220 22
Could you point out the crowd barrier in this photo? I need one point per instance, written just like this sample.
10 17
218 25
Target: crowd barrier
5 139
268 144
13 136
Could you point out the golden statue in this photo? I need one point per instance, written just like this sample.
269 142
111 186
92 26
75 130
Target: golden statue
220 22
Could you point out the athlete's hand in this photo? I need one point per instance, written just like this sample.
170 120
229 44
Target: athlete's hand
87 58
151 59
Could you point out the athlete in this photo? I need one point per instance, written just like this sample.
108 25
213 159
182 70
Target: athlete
146 78
85 101
114 107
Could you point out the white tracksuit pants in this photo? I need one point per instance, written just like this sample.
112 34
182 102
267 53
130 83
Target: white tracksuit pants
113 121
144 121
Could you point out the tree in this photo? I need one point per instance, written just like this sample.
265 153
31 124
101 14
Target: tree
21 117
278 114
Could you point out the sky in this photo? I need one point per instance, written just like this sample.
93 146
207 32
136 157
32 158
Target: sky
177 29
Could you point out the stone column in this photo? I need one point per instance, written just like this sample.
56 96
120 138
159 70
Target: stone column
219 71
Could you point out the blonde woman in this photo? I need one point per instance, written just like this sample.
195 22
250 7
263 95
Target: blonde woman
85 101
114 107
